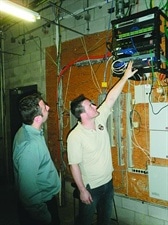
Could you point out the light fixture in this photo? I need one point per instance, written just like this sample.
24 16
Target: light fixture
18 11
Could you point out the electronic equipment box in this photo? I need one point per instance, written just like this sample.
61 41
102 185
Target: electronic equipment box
142 38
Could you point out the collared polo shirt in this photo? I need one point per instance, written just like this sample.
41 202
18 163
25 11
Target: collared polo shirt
91 150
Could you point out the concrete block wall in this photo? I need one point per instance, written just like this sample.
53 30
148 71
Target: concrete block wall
100 19
135 212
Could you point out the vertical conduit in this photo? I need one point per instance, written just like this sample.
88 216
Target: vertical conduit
3 135
118 115
119 8
129 130
60 109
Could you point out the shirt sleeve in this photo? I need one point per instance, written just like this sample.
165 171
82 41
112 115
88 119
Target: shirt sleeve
104 111
74 148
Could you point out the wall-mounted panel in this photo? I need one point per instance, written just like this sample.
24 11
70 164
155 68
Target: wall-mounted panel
158 182
159 144
158 116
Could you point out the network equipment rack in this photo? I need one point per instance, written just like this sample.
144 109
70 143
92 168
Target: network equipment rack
143 38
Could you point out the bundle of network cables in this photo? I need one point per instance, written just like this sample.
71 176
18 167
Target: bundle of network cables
118 67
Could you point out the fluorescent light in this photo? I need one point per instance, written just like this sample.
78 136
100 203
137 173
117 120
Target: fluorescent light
18 11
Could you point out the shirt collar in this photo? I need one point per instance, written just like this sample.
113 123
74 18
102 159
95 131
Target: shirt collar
33 130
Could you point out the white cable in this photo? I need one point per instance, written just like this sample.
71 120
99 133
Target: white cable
105 71
119 70
67 86
94 78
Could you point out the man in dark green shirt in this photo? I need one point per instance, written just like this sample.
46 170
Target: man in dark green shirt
36 178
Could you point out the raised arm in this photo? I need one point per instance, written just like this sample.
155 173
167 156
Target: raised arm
116 90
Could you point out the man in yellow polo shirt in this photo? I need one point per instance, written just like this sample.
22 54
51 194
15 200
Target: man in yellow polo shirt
89 155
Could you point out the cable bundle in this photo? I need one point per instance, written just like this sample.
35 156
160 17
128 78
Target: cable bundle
118 67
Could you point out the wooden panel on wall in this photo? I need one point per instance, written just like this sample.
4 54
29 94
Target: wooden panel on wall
87 79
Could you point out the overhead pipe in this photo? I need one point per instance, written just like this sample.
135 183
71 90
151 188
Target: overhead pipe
120 9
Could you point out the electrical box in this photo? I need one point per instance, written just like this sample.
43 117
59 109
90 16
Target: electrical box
158 125
141 37
159 144
158 182
158 116
142 93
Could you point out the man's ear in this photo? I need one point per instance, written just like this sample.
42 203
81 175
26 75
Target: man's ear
37 119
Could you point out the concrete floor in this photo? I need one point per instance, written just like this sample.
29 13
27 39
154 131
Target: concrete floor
67 217
8 206
8 209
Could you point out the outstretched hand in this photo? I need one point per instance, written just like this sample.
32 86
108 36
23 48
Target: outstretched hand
129 72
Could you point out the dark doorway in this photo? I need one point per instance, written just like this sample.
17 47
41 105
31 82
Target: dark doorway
15 119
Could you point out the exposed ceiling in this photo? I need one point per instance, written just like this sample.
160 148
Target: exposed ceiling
6 21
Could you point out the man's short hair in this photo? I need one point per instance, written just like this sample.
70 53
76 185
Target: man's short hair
29 107
76 106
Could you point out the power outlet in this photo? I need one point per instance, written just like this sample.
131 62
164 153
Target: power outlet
136 170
